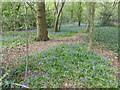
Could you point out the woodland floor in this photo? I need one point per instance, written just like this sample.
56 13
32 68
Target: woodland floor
11 56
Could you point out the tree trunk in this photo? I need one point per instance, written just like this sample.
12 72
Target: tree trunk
88 17
80 13
60 22
119 33
71 17
79 23
92 13
56 23
42 33
88 26
79 20
57 16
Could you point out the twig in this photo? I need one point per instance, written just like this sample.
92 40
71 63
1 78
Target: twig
20 85
31 7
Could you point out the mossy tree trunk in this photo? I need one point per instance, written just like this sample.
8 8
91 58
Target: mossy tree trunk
42 33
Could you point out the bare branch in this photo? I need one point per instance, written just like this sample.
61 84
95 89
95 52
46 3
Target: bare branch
31 7
20 85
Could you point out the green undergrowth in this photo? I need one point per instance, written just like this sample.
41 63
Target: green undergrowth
65 65
66 32
105 37
108 36
11 39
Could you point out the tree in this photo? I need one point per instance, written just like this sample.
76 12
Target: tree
58 10
107 14
90 16
42 33
72 9
119 30
90 23
79 13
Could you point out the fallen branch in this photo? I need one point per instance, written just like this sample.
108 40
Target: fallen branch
20 85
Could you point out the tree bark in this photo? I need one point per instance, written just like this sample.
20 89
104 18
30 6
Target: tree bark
42 33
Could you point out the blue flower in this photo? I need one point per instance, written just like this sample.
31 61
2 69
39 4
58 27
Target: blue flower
23 72
80 68
45 74
94 59
110 75
61 61
85 70
65 66
48 78
92 63
29 72
32 74
53 69
11 85
68 61
81 78
26 84
43 56
90 50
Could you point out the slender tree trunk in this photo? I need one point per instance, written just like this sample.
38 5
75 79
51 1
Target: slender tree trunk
71 17
57 16
42 33
60 22
92 13
56 23
88 16
80 13
79 23
119 33
79 19
88 26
